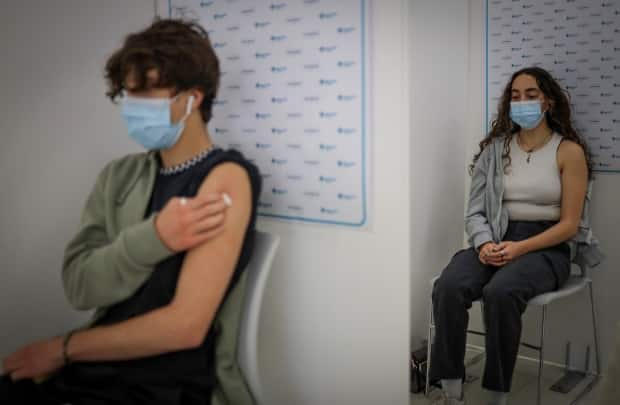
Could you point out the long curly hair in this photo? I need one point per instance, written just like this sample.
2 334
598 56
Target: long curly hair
558 116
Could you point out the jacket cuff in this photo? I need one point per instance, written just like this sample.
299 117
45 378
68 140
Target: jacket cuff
481 238
143 244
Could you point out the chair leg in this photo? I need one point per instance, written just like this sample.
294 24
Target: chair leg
541 355
484 318
597 375
595 332
429 342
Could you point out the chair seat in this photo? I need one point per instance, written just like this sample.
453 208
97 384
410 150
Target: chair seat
573 285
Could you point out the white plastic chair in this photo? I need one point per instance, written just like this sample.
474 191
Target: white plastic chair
573 285
257 274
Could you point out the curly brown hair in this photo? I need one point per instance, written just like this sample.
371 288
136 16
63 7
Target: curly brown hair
558 117
181 53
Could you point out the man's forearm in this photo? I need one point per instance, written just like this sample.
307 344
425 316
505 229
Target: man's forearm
156 332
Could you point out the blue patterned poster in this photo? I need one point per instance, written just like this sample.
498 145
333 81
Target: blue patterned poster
292 98
578 41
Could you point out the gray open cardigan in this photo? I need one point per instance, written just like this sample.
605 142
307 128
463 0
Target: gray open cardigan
487 218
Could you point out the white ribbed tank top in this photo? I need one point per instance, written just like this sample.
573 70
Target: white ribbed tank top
533 191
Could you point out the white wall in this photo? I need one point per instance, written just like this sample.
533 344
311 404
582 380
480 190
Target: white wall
335 324
336 330
57 131
605 223
439 135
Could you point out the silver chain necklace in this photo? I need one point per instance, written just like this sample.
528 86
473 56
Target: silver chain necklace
534 148
167 171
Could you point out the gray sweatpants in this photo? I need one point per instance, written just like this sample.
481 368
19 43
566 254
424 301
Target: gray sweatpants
505 292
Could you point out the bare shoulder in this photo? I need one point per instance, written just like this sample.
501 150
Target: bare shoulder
571 150
233 180
571 153
227 176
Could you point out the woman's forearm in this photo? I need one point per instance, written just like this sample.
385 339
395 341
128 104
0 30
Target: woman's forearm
558 233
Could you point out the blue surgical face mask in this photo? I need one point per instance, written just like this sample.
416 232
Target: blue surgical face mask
149 122
526 114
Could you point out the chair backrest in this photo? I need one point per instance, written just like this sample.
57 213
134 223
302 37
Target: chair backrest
257 273
577 269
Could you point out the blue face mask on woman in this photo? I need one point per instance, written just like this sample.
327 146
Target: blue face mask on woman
149 122
526 114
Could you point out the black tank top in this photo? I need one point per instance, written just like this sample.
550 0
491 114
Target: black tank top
184 377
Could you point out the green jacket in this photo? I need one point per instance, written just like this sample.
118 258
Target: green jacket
116 249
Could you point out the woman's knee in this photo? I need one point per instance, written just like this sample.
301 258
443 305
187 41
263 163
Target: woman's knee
449 288
496 295
445 286
452 280
493 292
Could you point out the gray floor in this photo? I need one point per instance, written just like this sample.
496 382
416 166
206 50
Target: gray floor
524 386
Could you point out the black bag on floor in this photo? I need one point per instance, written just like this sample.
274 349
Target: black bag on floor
418 371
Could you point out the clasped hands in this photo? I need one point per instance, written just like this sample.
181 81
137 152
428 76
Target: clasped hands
499 254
